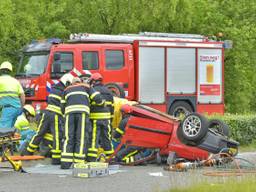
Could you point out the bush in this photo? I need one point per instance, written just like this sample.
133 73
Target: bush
242 127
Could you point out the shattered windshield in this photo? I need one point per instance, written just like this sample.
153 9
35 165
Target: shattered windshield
33 64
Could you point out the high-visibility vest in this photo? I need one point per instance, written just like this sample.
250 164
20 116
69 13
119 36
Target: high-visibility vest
22 123
10 86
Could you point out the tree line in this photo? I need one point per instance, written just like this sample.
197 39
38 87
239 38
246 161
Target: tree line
24 20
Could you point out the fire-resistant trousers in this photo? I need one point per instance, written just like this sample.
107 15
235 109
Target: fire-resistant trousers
50 129
101 133
75 144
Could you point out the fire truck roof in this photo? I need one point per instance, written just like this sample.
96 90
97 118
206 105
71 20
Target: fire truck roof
130 38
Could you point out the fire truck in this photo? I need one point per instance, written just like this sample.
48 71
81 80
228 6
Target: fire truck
174 73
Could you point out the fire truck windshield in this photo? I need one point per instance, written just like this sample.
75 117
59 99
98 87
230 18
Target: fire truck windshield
32 64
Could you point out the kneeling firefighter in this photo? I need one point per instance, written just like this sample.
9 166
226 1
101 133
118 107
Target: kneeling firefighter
50 123
78 97
100 117
22 124
131 155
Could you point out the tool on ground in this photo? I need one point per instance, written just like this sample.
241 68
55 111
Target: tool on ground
91 169
213 160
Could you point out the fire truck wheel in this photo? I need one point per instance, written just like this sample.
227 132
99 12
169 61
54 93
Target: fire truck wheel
193 129
219 126
180 109
116 90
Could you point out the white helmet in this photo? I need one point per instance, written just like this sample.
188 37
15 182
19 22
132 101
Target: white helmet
6 65
66 78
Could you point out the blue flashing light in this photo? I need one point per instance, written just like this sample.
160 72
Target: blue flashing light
50 40
54 40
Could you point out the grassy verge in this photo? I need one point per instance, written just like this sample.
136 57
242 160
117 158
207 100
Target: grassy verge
248 148
246 184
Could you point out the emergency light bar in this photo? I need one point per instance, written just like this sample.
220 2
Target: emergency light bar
129 38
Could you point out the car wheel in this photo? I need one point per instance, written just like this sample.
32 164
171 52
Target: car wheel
180 109
193 129
219 126
116 89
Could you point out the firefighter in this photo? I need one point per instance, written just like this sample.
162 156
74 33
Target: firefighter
100 117
12 96
22 124
128 154
50 129
77 125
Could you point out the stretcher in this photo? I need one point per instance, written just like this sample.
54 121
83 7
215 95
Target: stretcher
8 140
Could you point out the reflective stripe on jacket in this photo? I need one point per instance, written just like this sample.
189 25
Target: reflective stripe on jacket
78 98
100 111
55 99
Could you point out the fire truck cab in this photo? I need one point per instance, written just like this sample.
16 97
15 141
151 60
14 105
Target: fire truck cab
174 73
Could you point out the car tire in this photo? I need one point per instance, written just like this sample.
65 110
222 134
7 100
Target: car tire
116 90
193 129
180 108
219 126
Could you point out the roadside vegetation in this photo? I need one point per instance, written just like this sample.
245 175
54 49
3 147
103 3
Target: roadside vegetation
245 184
25 20
242 128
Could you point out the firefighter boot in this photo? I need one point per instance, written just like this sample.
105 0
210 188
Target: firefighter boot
65 165
55 161
25 152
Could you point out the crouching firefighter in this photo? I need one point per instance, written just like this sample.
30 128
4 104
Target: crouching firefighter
129 155
50 123
77 124
22 124
100 117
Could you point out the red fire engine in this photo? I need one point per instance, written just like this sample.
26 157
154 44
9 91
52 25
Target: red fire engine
174 73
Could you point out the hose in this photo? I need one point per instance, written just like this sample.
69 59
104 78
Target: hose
235 172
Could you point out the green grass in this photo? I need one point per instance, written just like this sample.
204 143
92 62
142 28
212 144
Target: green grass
246 184
247 148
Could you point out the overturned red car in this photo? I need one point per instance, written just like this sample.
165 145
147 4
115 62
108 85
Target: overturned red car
193 138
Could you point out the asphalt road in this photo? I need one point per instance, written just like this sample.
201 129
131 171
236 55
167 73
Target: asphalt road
132 179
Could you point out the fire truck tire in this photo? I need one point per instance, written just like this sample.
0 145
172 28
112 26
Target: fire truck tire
193 129
180 108
116 89
219 126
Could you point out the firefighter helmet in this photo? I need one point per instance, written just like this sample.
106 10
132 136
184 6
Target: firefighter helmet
66 78
6 65
30 110
97 77
86 77
76 80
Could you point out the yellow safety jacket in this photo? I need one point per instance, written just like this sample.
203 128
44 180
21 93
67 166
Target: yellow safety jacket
22 123
118 103
10 86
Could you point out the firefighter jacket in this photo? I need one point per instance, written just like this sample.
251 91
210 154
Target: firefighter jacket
102 111
55 99
78 98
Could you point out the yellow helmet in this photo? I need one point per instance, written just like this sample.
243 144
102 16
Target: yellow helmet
6 65
30 110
